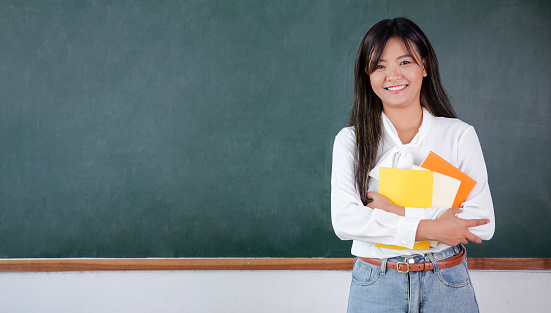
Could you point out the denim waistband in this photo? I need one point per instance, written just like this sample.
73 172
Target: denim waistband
437 256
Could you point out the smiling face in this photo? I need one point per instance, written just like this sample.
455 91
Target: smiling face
398 76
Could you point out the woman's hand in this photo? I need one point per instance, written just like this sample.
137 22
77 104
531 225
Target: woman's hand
383 203
449 228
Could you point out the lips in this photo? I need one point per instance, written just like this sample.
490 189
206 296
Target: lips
396 88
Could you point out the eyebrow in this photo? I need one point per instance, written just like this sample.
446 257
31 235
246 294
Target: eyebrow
400 57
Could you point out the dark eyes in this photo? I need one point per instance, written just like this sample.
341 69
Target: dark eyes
380 67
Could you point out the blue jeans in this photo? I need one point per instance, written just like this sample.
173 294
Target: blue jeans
379 289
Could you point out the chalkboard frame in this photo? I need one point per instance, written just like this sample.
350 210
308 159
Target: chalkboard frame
236 264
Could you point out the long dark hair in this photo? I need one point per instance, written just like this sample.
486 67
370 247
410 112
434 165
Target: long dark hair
367 108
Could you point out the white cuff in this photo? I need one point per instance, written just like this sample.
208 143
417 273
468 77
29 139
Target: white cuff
405 232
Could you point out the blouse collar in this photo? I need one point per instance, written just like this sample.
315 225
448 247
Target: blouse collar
393 133
400 156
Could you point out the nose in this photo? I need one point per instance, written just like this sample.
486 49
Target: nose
393 73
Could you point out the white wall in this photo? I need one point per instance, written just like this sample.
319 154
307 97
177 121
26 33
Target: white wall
234 291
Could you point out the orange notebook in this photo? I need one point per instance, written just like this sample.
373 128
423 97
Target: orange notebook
436 164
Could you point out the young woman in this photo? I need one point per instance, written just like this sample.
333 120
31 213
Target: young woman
400 114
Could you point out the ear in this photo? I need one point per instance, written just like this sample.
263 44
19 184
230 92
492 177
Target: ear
365 69
425 66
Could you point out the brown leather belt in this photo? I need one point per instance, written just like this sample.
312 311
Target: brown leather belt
405 267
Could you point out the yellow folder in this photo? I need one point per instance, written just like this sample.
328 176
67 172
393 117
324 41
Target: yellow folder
404 187
407 188
436 184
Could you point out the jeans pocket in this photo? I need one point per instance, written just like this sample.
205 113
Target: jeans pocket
455 276
365 274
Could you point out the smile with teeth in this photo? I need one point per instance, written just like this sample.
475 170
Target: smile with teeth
394 88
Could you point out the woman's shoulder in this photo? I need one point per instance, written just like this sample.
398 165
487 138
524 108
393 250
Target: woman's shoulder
347 136
347 133
450 124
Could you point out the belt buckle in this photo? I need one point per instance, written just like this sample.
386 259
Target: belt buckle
398 267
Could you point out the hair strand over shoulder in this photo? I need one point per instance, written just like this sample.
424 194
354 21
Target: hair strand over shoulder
367 108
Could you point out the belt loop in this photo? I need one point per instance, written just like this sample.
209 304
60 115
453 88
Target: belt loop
462 247
431 258
457 249
383 266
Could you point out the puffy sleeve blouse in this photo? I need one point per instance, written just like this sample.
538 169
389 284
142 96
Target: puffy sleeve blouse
452 139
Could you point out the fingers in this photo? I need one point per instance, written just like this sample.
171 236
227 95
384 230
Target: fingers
474 238
456 210
473 223
476 222
457 229
369 201
372 196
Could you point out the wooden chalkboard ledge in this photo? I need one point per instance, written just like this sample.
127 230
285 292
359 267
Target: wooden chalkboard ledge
240 264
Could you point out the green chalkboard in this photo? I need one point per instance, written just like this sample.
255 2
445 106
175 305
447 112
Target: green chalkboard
205 128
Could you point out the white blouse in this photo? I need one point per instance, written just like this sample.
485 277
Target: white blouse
452 139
